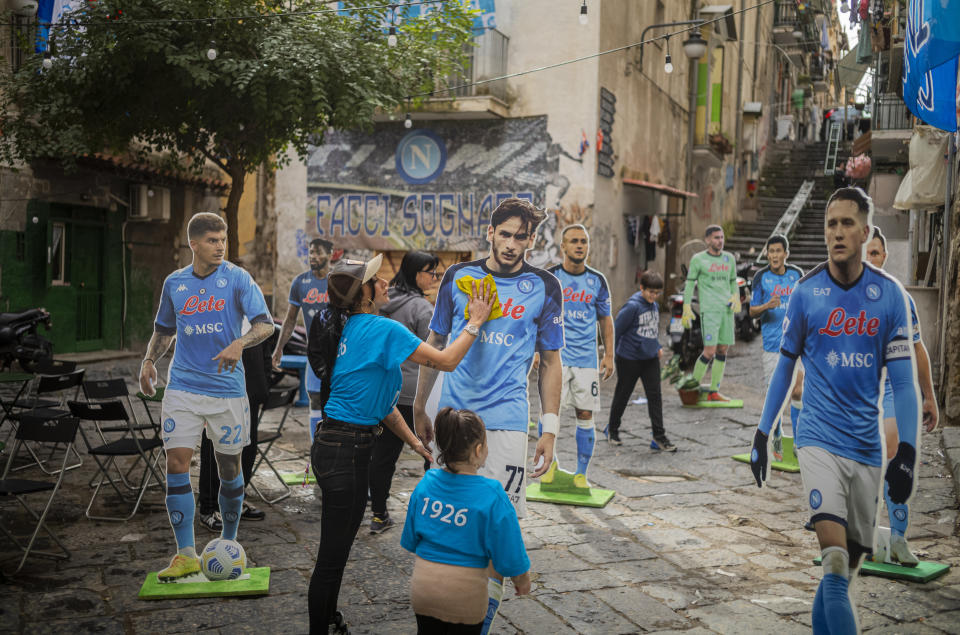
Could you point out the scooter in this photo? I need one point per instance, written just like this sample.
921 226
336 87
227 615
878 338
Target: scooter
20 341
685 343
746 327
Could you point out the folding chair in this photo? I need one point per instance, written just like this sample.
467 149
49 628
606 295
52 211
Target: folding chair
40 431
37 408
99 390
105 455
146 401
277 398
54 367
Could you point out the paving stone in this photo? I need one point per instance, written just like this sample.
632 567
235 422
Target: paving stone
671 539
105 625
732 617
563 581
641 609
949 622
645 570
690 518
552 560
705 559
528 615
615 549
587 614
784 600
79 603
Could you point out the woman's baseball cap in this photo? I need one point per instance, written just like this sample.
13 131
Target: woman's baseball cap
346 278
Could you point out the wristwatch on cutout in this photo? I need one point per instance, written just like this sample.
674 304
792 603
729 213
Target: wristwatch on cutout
473 330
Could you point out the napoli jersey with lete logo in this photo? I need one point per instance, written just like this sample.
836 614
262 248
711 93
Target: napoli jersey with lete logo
585 298
206 314
887 387
366 380
845 334
309 292
465 520
492 378
767 284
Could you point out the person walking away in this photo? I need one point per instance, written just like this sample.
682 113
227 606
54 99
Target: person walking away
409 306
457 522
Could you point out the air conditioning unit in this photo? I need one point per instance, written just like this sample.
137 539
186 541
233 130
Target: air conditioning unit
148 202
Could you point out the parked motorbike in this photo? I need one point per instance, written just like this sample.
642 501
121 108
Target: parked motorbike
746 327
686 344
20 341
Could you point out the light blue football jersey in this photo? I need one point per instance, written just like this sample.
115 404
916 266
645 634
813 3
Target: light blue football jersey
767 284
586 297
492 378
465 520
845 334
309 292
206 314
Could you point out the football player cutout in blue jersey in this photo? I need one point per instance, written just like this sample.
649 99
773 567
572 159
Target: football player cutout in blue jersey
847 321
899 513
203 306
308 292
586 302
492 378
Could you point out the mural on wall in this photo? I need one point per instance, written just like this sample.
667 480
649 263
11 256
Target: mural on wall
430 188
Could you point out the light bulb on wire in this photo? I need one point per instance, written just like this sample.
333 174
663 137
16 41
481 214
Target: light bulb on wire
408 122
583 12
668 65
47 61
212 52
392 38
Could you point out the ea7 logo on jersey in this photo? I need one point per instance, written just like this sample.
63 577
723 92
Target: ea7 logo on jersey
821 291
898 349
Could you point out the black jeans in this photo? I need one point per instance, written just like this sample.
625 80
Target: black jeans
383 463
432 626
209 475
340 457
628 371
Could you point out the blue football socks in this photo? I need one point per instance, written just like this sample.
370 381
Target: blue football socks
820 625
180 510
836 605
494 595
899 513
586 437
231 505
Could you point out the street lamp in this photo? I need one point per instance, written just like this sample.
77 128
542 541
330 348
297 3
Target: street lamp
694 46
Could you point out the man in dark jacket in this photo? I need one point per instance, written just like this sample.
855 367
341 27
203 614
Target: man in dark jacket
637 356
257 364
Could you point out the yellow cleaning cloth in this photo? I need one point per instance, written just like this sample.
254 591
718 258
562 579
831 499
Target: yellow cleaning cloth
465 284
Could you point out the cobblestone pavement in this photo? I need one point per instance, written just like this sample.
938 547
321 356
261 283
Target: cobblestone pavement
688 544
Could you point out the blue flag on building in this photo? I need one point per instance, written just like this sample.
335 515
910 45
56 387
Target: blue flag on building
930 62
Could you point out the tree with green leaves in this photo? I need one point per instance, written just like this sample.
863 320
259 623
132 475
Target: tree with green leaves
234 82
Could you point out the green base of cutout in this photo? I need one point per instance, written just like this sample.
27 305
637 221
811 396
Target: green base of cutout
296 478
257 584
533 425
703 403
788 464
922 573
562 491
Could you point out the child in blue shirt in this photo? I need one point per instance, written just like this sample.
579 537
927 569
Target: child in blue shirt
458 523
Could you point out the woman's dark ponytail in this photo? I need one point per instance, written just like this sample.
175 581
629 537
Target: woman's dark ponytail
322 344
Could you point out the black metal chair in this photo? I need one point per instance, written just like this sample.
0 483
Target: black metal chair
36 407
146 450
54 367
41 432
277 398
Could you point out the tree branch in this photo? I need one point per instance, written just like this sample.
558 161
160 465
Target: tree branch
218 161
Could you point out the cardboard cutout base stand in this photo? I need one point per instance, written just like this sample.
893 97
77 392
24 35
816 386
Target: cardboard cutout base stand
562 491
789 462
686 397
254 581
922 573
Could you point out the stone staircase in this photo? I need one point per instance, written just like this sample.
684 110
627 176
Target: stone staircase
787 167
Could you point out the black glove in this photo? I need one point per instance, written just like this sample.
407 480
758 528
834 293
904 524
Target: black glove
900 473
758 457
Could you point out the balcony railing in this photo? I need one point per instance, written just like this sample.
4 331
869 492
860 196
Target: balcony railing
486 58
890 113
786 14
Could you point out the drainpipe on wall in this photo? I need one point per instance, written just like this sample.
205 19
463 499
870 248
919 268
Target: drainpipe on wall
738 141
948 257
692 121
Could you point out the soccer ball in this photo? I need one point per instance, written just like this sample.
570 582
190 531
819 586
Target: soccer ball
223 559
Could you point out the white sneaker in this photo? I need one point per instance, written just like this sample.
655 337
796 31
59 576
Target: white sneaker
900 552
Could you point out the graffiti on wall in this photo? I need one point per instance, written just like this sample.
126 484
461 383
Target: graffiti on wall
430 188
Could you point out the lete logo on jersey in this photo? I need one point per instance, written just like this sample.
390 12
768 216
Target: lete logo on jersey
839 324
569 295
195 305
315 297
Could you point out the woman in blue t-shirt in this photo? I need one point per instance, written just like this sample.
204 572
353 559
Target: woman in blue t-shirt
458 523
357 354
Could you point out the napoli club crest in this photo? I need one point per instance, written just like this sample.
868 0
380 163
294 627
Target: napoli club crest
591 282
525 286
168 425
873 291
221 283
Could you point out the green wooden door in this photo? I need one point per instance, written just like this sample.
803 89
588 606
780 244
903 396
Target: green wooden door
87 278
